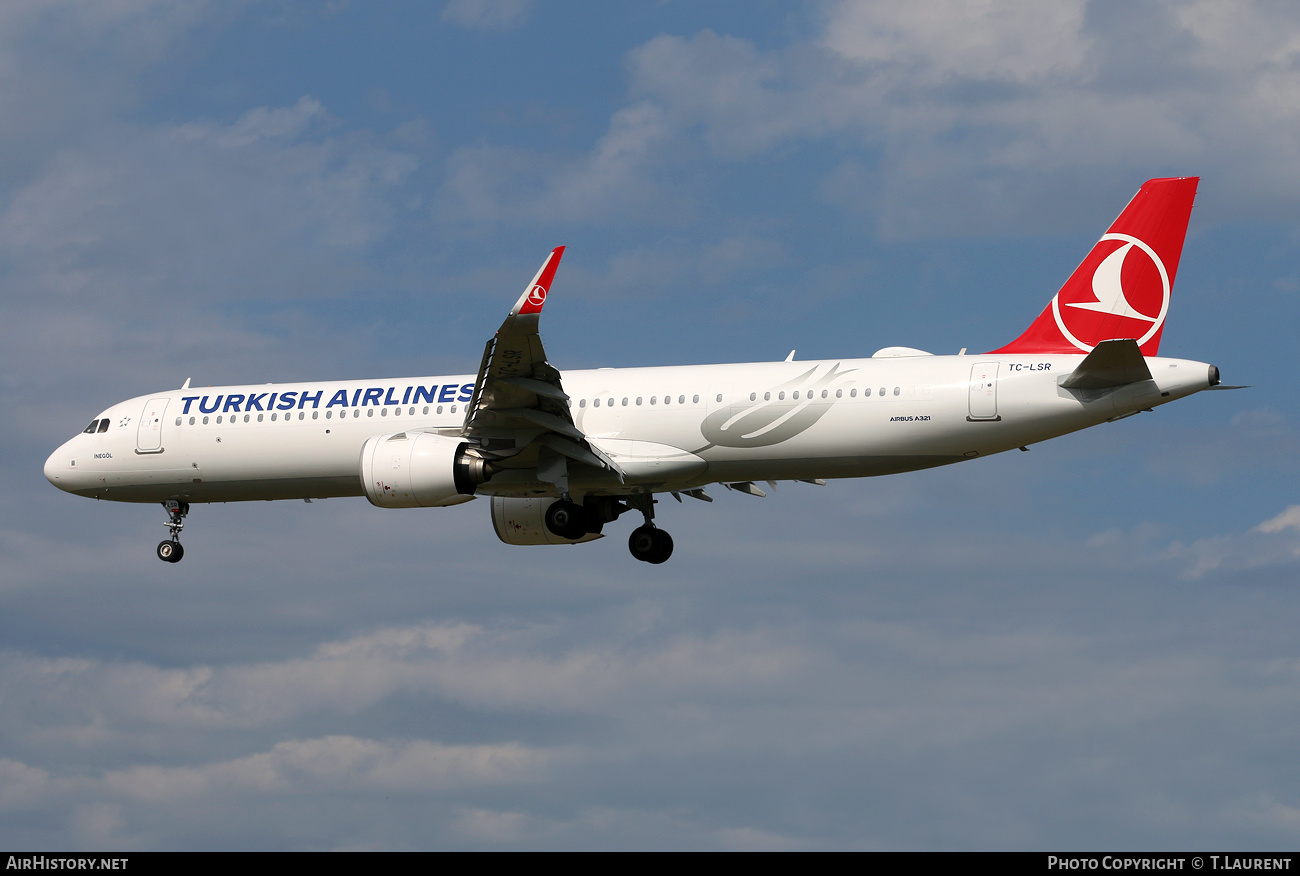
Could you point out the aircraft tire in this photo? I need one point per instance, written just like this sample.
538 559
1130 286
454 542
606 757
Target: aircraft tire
567 520
663 547
170 551
650 545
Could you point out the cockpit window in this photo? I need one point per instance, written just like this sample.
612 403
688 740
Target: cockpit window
90 430
103 425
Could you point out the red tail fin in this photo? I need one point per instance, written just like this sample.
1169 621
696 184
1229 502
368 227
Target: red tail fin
1122 288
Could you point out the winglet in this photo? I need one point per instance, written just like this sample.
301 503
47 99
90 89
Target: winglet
535 295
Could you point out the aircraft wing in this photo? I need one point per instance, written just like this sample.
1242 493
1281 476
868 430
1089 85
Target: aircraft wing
519 414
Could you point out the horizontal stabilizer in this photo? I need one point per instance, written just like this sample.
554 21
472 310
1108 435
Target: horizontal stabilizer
1111 363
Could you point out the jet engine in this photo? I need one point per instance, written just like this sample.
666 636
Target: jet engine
420 470
523 521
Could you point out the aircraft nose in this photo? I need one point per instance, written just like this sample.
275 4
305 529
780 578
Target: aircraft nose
56 468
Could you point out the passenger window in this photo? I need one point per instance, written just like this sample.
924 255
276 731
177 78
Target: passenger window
218 420
719 397
767 396
780 396
412 411
302 415
272 418
896 390
397 412
453 409
245 418
839 393
882 390
652 399
426 410
205 421
595 403
582 403
681 399
823 393
383 412
356 412
853 393
178 421
191 421
314 415
370 412
625 401
259 418
328 415
638 399
796 395
753 396
440 409
866 393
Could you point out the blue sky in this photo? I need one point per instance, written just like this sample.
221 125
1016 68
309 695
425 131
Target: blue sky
1090 645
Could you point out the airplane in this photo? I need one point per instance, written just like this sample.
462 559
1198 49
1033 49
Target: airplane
561 455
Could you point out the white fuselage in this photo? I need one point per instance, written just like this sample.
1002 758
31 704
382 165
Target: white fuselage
667 428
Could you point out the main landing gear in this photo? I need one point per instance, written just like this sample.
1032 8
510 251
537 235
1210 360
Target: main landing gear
170 551
568 519
648 543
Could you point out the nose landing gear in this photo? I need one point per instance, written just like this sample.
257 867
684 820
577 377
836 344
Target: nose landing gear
170 551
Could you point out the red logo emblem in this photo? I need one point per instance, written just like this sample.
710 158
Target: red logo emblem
1121 290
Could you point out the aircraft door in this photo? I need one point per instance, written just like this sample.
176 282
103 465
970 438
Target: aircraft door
984 391
148 434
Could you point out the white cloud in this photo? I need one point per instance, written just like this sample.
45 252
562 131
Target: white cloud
335 763
486 14
615 180
1288 519
177 207
1273 544
977 117
21 785
70 65
953 40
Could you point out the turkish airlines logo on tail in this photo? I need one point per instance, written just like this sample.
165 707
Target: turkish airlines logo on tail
537 295
1128 295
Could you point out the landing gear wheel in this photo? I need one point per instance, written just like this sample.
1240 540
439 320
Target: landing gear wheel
567 520
170 551
650 545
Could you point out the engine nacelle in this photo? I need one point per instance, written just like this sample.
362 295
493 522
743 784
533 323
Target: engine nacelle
523 521
420 470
